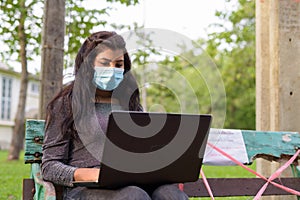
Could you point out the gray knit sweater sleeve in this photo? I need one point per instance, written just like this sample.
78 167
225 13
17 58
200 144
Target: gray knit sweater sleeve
56 152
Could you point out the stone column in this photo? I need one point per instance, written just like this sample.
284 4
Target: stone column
277 72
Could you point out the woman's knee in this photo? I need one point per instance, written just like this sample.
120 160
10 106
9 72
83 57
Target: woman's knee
165 192
134 193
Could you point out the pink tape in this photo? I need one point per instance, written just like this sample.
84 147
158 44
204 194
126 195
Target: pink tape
270 180
207 185
276 174
180 186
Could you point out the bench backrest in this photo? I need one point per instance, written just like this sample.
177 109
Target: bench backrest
269 145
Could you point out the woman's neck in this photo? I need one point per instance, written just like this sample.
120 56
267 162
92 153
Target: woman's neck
102 100
105 97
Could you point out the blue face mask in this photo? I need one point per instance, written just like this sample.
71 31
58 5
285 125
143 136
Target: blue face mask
107 78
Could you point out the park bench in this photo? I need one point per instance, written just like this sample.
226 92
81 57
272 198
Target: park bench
272 146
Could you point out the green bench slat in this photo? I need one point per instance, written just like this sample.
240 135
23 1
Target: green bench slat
270 144
34 138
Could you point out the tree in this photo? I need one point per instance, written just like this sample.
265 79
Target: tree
20 31
141 59
52 47
14 31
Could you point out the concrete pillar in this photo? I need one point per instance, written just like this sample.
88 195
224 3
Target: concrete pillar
277 71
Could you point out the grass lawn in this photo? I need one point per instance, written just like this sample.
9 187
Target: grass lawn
12 174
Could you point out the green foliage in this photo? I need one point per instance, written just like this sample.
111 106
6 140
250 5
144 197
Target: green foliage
231 53
12 14
126 2
183 94
233 50
141 60
79 24
186 82
12 174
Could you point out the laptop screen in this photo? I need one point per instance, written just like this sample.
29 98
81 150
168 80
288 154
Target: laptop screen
143 148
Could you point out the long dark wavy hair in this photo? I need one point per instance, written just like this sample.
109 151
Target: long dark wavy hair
77 97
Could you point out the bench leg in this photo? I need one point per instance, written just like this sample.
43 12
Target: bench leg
28 189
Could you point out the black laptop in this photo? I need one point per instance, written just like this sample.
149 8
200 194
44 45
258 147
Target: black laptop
148 149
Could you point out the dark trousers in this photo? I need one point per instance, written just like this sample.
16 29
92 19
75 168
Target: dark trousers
164 192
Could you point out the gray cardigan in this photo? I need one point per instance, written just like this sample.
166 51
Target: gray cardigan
62 154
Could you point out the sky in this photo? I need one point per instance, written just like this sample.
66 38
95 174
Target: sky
187 17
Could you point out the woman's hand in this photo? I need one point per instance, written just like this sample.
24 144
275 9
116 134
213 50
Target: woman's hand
86 174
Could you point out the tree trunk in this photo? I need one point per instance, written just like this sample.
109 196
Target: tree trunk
18 132
52 52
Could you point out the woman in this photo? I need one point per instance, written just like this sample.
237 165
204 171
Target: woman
77 118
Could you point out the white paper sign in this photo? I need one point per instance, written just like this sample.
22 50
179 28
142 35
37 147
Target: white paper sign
228 140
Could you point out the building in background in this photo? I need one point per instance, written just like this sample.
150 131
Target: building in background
9 98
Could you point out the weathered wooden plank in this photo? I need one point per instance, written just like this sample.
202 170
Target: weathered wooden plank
33 141
258 143
28 189
225 187
270 145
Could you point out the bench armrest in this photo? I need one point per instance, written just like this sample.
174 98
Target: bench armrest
43 189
